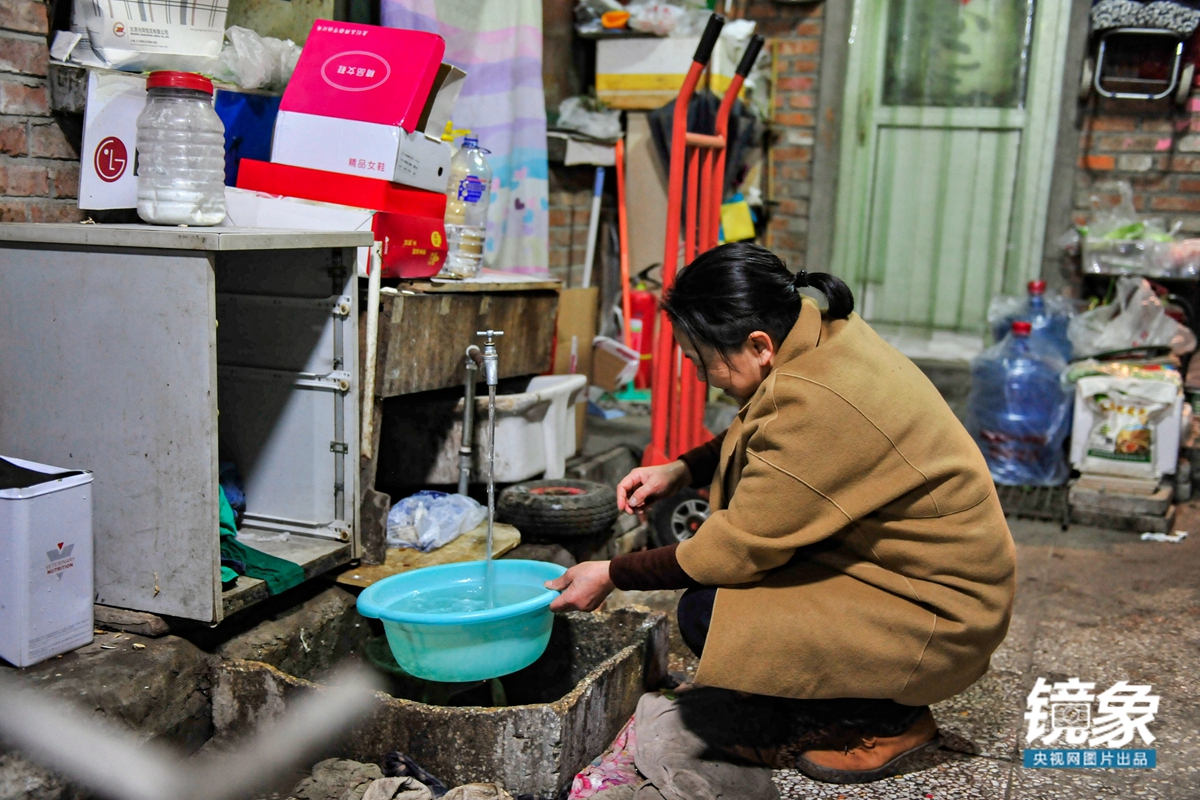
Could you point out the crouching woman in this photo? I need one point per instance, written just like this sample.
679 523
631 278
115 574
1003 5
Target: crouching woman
857 565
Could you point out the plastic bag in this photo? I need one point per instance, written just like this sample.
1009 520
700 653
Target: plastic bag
1123 439
574 114
1117 219
256 62
427 520
1135 318
660 19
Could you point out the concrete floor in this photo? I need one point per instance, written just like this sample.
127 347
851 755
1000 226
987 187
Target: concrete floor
1094 604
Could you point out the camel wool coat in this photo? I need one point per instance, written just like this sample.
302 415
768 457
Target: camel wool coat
856 534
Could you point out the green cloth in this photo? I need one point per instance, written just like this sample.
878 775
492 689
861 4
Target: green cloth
279 574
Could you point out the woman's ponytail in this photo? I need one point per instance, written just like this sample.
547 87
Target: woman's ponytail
841 299
737 288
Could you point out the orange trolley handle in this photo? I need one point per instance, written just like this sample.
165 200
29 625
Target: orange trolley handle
663 396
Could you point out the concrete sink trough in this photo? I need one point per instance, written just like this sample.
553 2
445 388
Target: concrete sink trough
562 711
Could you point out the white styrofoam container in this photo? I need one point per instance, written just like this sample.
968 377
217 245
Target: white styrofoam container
46 591
535 432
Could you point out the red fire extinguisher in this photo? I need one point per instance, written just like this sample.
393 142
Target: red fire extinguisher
643 308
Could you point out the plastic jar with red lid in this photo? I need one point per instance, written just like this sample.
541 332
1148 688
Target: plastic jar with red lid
181 152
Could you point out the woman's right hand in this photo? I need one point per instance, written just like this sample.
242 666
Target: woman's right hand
638 490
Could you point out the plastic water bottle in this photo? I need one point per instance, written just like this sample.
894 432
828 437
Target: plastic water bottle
1049 319
181 152
1020 410
467 197
1050 325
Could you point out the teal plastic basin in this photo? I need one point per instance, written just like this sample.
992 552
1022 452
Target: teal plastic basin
467 645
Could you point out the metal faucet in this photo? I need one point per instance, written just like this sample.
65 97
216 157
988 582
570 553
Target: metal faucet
491 358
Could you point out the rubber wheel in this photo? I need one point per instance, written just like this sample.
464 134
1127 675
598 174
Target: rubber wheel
678 517
552 510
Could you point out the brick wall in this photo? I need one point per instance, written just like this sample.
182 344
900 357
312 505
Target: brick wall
1153 145
794 31
39 167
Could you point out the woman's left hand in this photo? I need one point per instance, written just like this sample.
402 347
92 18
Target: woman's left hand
584 587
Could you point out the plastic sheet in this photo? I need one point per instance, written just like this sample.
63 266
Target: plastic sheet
256 62
1136 318
427 520
657 18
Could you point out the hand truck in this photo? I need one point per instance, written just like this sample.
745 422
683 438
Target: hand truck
677 396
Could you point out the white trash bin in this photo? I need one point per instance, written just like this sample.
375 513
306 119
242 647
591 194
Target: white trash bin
46 591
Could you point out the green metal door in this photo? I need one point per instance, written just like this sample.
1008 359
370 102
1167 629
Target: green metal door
946 151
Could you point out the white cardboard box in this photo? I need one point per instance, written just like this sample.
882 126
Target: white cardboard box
46 590
247 209
106 178
384 151
370 101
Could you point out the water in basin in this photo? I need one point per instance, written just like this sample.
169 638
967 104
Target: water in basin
458 598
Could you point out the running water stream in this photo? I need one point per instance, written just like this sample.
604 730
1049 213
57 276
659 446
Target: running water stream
489 586
491 372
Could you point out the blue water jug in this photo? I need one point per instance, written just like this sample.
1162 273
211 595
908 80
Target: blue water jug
1049 320
1019 410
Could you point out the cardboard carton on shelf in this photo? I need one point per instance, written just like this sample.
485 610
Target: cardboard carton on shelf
412 245
643 72
613 364
369 101
106 170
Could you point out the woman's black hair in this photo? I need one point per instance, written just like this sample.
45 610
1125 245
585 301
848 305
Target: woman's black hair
737 288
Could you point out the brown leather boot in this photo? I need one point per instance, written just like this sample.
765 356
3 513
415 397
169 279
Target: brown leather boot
874 757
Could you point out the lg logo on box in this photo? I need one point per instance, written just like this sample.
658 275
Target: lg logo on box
111 159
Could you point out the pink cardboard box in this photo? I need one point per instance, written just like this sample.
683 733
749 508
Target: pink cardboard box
369 101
